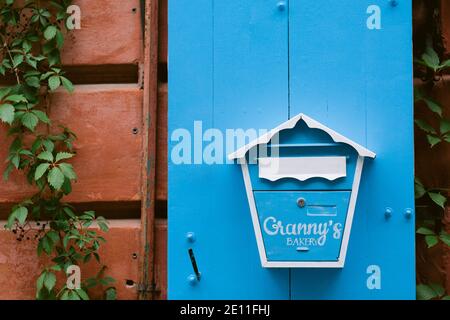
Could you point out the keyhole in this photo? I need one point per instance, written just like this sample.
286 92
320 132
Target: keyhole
301 202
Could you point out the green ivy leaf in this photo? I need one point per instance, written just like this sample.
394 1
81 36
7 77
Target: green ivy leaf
67 84
425 292
53 236
48 145
7 112
433 106
438 199
41 116
431 58
17 60
419 189
111 294
67 170
59 40
433 140
445 238
65 295
16 98
431 241
20 214
4 92
46 245
50 281
33 82
46 156
425 126
50 32
66 187
54 82
73 295
444 126
41 170
63 156
56 178
30 120
425 231
15 160
103 226
83 295
8 171
40 281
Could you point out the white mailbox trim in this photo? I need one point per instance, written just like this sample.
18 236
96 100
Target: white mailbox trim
302 168
311 123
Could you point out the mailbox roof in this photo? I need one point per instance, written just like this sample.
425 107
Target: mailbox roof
311 123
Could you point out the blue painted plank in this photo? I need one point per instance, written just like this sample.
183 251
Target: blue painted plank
240 50
369 81
326 69
190 98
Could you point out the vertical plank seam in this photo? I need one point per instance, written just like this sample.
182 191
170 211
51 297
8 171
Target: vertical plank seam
289 56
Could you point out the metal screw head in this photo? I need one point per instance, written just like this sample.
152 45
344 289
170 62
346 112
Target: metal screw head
301 202
393 3
388 213
408 213
281 5
190 236
192 279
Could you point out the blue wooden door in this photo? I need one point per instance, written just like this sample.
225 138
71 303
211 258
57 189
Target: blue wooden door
252 64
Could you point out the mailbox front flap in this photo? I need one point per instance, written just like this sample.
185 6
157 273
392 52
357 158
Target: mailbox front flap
302 226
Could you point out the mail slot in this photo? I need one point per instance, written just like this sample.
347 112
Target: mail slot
302 180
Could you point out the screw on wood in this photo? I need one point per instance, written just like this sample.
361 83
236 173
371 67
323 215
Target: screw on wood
393 3
301 202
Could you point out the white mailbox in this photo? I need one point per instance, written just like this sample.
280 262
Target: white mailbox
302 180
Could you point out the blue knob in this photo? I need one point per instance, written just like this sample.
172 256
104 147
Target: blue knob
190 236
408 213
192 280
388 213
281 5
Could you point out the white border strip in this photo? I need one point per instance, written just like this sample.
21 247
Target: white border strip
254 212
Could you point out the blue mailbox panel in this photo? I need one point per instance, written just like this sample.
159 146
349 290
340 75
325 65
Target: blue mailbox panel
302 226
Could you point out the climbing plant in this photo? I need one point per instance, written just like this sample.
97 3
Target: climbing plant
32 34
436 128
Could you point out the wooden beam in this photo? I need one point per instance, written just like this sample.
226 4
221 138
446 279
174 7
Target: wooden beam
149 149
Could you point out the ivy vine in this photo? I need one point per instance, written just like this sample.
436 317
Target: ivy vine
436 128
32 34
